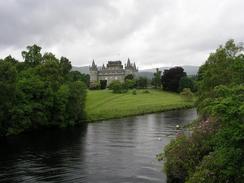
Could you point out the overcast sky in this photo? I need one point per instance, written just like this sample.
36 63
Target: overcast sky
151 32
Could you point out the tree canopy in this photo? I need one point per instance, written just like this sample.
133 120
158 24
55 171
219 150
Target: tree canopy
171 78
39 92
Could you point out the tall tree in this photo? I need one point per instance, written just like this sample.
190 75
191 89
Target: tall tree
156 80
33 55
171 78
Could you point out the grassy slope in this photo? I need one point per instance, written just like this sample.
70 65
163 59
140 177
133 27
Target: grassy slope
103 104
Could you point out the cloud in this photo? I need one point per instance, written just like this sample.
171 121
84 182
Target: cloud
150 32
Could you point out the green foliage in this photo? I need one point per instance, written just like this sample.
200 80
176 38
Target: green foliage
187 82
103 84
130 84
224 67
95 85
187 94
156 80
220 102
118 87
146 91
222 165
129 77
38 93
142 82
134 92
77 76
171 78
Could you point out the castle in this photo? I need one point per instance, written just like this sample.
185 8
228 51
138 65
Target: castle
113 71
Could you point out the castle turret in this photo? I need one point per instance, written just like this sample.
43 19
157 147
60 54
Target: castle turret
130 68
93 72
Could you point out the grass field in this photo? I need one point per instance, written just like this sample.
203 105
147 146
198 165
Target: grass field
103 104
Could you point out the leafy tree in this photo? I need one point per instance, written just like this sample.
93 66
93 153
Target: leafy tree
95 85
214 152
103 84
156 80
187 94
77 76
187 82
171 78
141 82
225 67
129 76
39 92
8 77
117 87
65 65
130 84
33 55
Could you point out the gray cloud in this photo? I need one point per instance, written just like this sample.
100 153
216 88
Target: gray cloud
150 32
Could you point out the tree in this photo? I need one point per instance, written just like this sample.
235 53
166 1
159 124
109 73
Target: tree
141 82
77 76
224 66
117 87
171 78
186 82
129 76
39 92
130 83
156 80
33 55
103 84
8 76
65 65
187 94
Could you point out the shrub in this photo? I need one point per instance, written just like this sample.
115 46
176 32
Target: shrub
146 91
187 94
103 84
117 87
94 86
134 92
130 84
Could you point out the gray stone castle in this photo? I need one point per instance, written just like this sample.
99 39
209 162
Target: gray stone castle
113 71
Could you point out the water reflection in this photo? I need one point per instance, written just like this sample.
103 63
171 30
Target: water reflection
120 150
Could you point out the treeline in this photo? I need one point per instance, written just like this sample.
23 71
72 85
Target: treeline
215 150
41 91
173 80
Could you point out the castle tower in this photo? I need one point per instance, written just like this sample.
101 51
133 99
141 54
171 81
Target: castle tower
93 72
129 68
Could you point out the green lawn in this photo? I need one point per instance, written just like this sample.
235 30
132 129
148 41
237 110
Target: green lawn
103 104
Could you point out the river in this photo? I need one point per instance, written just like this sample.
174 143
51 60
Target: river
113 151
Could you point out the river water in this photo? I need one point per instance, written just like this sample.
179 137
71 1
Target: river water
116 151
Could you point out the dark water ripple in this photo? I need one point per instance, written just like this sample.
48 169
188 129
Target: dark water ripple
116 151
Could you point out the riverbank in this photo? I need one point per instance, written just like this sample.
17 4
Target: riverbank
103 104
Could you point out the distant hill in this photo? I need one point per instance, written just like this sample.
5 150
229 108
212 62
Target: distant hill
189 69
84 69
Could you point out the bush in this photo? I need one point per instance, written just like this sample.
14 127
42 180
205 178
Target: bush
146 91
103 84
187 94
118 87
184 153
187 82
134 92
94 86
130 84
142 82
